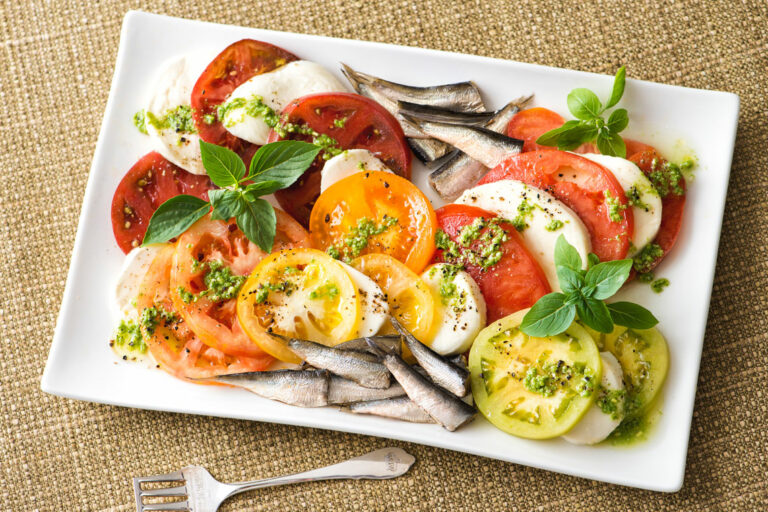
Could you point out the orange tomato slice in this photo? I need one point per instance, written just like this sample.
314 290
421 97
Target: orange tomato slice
375 212
408 296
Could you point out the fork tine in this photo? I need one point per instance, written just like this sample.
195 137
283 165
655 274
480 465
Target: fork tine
165 491
170 477
179 505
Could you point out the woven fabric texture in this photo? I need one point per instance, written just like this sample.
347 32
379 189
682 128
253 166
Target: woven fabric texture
56 63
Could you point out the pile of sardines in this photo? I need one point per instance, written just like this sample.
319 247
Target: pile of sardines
369 376
447 125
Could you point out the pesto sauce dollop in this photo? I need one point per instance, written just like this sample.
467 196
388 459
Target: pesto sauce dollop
476 244
359 236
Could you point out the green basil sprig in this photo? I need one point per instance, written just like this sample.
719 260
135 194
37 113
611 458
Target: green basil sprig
274 166
589 124
583 294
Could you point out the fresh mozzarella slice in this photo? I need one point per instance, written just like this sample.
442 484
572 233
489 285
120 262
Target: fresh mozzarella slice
374 309
597 425
131 275
460 316
276 88
647 207
172 89
348 163
540 218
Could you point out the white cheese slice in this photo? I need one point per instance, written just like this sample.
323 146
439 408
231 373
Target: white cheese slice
647 211
460 316
542 218
596 425
132 272
277 88
374 309
348 163
173 88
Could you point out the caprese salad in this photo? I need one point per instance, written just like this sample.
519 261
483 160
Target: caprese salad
275 242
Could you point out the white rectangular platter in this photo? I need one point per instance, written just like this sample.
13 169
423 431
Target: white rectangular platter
82 366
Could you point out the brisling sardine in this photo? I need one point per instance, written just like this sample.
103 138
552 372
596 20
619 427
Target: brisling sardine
445 408
462 96
444 115
352 365
461 172
344 391
443 372
486 146
391 342
304 388
401 408
387 94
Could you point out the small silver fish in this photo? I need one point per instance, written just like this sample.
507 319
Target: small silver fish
461 172
486 146
355 366
429 150
390 106
443 407
444 115
459 360
444 373
391 342
401 408
304 388
343 391
461 96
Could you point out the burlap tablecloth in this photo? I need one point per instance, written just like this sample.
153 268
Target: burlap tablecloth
56 62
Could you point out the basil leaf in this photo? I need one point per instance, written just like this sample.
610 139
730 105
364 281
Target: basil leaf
258 222
576 136
173 217
548 317
618 87
592 260
550 138
618 120
631 315
226 203
609 143
607 277
584 104
570 280
261 188
566 255
224 166
595 314
284 161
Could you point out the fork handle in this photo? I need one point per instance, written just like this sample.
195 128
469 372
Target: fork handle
376 465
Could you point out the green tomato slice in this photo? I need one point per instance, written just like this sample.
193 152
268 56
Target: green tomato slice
537 388
644 358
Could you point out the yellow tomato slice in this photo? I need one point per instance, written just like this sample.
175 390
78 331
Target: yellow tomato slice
408 296
303 293
375 212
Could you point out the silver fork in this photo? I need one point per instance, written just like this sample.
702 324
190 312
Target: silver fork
203 493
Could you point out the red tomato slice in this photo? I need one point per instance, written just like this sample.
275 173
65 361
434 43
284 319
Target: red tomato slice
232 67
355 122
530 124
581 184
672 206
174 346
148 184
516 282
215 323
